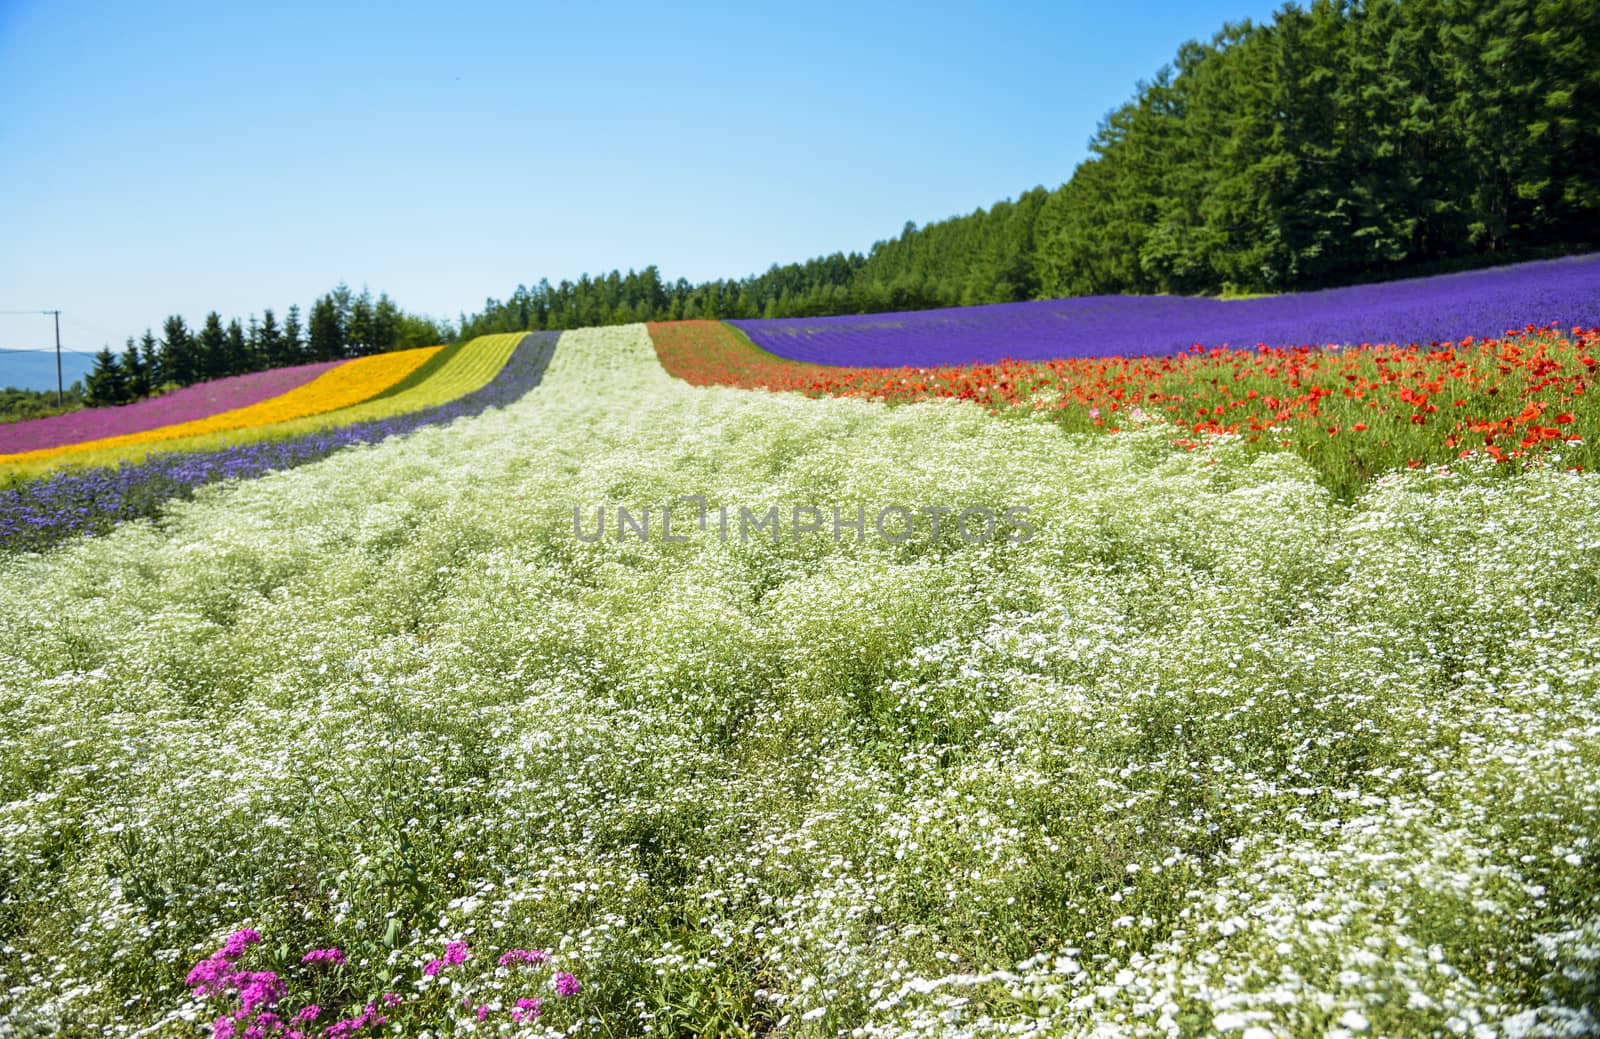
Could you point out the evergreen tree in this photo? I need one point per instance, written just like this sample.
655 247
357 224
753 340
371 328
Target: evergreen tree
180 354
295 350
212 346
326 333
106 384
154 361
135 371
235 350
359 325
343 301
386 318
270 342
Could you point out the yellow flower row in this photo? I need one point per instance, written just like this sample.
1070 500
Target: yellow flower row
349 383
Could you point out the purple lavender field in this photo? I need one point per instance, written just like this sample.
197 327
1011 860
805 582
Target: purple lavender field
192 402
1418 310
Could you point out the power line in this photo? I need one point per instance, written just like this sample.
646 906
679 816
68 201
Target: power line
60 394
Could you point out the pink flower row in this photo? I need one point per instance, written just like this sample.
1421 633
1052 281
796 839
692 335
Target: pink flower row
201 400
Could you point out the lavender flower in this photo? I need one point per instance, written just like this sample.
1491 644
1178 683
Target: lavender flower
1417 310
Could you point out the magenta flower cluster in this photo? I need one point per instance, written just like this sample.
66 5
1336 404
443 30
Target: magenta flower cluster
515 956
455 953
259 997
258 993
527 1009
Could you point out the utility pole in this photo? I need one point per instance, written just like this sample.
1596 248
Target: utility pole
57 313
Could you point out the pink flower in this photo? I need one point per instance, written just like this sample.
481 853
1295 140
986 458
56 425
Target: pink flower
210 975
307 1015
238 942
456 952
566 984
224 1028
329 955
256 989
432 967
349 1025
513 956
482 1011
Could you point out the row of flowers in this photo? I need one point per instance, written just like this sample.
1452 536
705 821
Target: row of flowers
38 513
339 387
1409 310
201 400
1352 412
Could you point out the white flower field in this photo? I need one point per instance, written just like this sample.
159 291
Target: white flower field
1210 753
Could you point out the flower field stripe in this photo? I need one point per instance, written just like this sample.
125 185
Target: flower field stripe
340 386
467 369
1523 399
425 372
183 405
36 514
1448 307
460 369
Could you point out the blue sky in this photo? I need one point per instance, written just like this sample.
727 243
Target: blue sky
175 158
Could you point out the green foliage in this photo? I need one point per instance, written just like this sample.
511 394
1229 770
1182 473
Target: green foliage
211 345
136 370
19 405
342 324
107 384
1338 143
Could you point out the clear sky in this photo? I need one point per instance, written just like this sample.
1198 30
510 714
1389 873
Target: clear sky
180 157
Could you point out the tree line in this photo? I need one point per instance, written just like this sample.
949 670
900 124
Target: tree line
341 324
1343 142
1351 140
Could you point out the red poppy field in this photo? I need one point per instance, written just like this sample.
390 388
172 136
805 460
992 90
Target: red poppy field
1519 400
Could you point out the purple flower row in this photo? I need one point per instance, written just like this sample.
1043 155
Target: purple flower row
201 400
1419 310
39 513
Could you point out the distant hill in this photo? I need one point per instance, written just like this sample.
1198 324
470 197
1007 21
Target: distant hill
36 369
